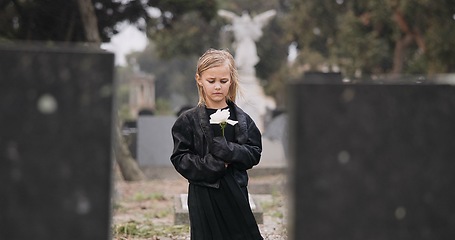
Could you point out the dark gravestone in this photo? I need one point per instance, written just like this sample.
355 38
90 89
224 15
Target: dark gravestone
55 142
372 161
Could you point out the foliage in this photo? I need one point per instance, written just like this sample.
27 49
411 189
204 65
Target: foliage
358 36
56 20
376 37
183 28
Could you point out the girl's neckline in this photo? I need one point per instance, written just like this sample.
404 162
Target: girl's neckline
217 108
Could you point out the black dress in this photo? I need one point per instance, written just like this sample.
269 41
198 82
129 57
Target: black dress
221 213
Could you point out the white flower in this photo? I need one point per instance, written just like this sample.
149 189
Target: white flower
222 116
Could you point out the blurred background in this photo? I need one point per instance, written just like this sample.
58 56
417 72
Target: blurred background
157 42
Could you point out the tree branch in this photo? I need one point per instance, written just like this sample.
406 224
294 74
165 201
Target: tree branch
402 43
404 27
89 21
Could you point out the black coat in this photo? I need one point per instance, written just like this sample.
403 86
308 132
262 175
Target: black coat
201 158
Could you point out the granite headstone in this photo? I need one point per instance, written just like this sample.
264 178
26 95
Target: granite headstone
154 141
55 142
372 161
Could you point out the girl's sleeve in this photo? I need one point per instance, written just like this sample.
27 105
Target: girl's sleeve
244 156
187 162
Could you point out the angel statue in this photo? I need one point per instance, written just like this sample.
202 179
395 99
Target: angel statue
247 31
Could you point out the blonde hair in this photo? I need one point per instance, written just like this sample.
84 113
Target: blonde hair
215 58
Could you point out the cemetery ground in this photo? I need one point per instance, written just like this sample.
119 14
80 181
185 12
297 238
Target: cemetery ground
145 209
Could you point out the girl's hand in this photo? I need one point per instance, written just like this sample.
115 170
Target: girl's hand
221 149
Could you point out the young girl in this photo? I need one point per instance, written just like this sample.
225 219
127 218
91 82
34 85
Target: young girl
215 159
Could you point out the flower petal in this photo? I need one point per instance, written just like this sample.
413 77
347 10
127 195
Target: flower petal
214 121
232 122
220 116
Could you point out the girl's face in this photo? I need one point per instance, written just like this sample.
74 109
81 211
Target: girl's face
215 82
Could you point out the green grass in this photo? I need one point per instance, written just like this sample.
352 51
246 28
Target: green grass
271 207
277 214
162 213
117 206
140 196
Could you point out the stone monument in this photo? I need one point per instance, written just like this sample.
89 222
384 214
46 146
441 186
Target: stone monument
247 31
56 118
372 161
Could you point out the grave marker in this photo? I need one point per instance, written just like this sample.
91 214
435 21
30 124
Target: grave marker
55 142
372 161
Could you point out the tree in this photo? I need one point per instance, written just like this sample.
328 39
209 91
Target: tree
376 37
89 21
65 21
128 167
183 28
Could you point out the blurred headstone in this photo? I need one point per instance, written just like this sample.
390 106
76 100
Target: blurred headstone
372 161
55 142
154 141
